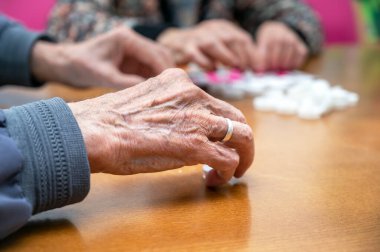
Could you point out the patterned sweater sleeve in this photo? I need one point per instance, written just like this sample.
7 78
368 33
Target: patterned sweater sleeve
77 20
250 14
43 162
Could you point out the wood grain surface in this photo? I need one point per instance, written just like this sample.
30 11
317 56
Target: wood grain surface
314 185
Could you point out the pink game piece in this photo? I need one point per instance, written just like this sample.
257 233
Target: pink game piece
282 72
213 78
234 75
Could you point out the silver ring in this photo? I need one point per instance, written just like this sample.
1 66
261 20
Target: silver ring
230 130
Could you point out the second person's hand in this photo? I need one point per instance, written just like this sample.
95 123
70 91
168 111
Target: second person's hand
279 48
209 43
119 58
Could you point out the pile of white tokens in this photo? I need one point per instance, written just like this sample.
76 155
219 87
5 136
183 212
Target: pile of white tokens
291 93
307 97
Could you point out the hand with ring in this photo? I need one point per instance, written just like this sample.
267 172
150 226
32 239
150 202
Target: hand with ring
164 123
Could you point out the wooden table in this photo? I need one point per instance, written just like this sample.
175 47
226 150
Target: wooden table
314 185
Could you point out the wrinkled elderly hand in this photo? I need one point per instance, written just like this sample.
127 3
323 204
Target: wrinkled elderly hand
279 48
209 43
164 123
119 58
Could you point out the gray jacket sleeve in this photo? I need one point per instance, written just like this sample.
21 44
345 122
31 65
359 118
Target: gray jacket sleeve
16 44
43 162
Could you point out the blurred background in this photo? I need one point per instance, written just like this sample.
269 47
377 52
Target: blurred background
344 21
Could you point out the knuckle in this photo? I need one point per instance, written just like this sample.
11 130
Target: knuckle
177 78
196 91
272 44
162 50
208 43
202 95
123 32
234 160
213 22
199 140
213 126
302 51
228 38
81 61
191 94
288 41
247 134
245 38
222 22
189 53
237 114
175 73
277 39
119 30
240 116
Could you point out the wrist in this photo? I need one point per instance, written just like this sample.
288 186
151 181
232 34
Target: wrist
90 138
48 62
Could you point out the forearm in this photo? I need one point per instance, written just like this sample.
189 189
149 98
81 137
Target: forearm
16 45
49 62
60 63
